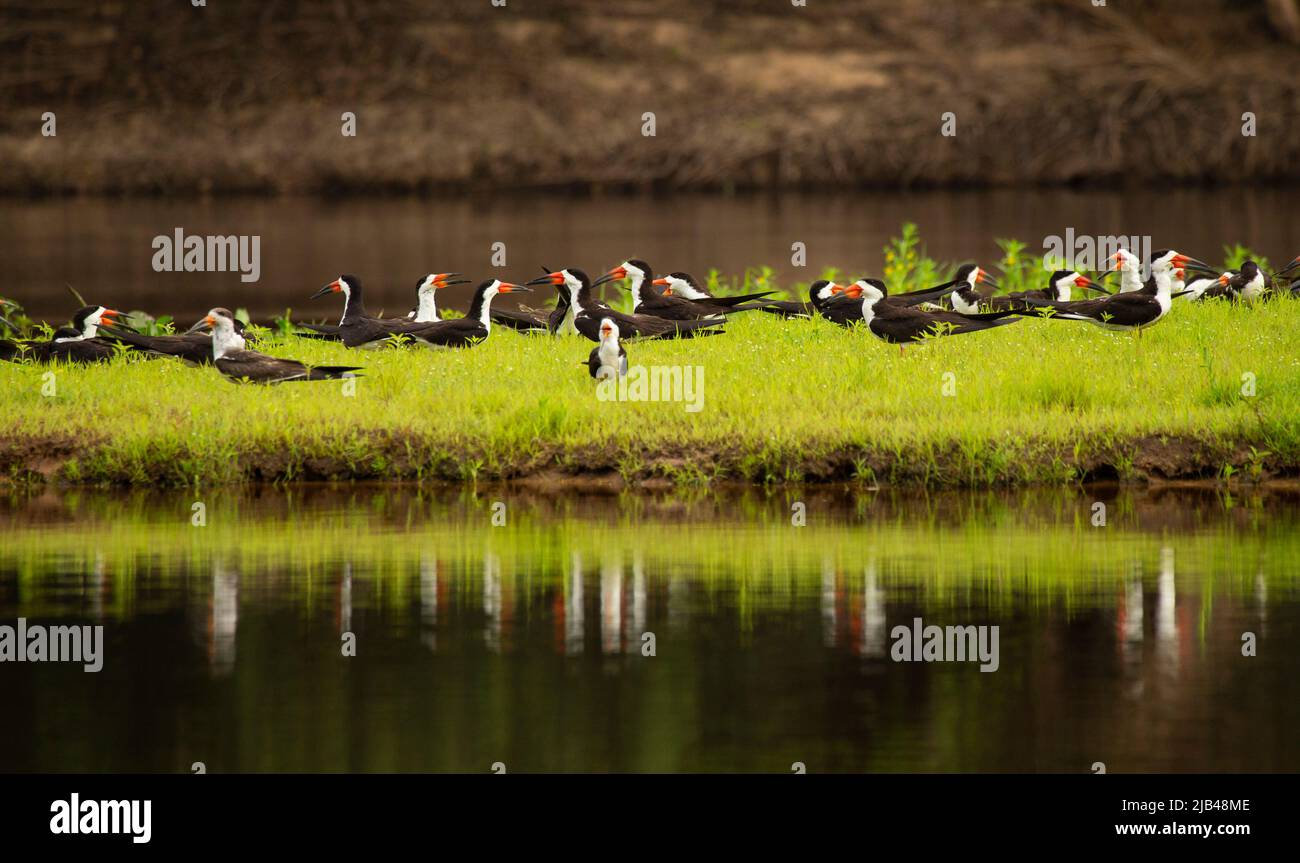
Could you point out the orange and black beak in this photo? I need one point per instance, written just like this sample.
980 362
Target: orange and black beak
1181 261
444 280
1088 284
333 287
555 279
619 272
511 288
662 282
984 277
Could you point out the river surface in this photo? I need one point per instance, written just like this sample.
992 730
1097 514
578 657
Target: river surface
727 631
104 247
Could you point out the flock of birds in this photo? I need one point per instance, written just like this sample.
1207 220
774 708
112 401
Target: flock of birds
672 306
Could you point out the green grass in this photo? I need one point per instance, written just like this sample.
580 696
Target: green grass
1041 401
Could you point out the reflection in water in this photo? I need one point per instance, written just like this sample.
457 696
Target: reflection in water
573 619
768 637
1167 615
830 598
225 619
215 620
344 618
874 629
638 598
611 606
492 602
429 600
1261 601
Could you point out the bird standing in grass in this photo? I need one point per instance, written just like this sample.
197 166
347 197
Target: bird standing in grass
609 358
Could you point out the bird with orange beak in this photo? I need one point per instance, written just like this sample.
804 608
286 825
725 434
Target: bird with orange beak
238 364
469 330
584 312
609 358
78 343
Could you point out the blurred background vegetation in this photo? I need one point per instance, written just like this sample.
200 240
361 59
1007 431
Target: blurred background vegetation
157 96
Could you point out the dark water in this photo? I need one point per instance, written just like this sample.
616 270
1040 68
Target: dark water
523 643
104 247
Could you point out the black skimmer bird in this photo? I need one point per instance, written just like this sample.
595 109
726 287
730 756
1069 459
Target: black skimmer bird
684 285
1247 284
823 291
965 296
820 292
1198 285
1129 266
1289 273
609 358
1176 264
584 312
1060 289
426 301
194 346
469 330
237 363
673 302
835 302
901 324
78 343
356 328
917 297
640 275
682 292
427 309
1128 310
560 321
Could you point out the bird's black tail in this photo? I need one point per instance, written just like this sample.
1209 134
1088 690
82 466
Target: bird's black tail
325 373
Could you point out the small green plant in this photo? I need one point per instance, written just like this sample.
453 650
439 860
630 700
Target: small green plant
901 257
1255 464
1237 254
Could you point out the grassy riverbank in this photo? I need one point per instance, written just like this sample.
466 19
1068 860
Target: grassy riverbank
1041 401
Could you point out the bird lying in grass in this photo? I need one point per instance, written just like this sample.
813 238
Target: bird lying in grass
238 364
